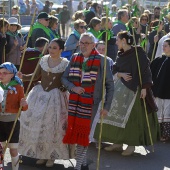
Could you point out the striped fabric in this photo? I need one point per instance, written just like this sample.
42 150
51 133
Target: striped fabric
80 106
81 156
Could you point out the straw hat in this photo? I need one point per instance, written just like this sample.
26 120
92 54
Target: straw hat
14 21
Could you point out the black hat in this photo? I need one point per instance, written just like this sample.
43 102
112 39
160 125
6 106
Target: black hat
43 15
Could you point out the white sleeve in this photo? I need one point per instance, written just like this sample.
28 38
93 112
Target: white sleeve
1 94
159 50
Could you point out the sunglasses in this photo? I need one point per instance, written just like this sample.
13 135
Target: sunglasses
47 19
82 27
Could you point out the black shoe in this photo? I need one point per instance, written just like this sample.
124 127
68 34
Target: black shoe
85 167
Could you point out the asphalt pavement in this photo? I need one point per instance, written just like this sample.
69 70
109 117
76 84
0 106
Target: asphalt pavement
142 159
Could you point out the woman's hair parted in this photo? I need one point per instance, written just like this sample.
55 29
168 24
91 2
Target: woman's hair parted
60 42
127 36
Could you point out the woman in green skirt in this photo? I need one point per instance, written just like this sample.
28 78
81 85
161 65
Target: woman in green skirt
126 120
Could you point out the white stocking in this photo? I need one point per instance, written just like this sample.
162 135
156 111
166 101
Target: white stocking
15 162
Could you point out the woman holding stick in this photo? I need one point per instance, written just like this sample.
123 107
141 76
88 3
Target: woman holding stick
126 122
13 99
43 125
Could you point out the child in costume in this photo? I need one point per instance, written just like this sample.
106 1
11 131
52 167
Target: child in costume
13 98
160 76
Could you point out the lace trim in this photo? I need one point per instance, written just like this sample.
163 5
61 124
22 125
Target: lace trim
57 69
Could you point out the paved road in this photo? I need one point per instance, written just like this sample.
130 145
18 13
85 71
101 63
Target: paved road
141 160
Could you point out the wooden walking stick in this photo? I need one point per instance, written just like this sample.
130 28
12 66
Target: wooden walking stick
19 17
103 92
3 31
146 34
29 34
19 111
140 78
153 53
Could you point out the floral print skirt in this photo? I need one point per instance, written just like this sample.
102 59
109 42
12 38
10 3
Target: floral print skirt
43 125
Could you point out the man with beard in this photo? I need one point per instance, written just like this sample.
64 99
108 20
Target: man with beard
84 79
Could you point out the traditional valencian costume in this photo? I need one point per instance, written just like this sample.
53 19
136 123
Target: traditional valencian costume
9 107
126 121
43 125
160 68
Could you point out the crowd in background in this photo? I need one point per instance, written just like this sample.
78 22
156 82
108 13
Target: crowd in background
125 29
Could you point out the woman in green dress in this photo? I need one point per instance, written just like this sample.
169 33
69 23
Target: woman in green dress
126 121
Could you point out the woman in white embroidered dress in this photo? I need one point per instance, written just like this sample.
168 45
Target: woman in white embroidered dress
43 125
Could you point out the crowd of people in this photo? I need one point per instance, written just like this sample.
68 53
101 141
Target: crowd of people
61 113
